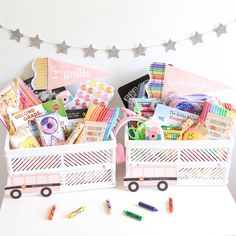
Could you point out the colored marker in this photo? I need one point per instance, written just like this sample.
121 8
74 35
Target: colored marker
76 212
133 215
51 212
170 205
108 206
146 206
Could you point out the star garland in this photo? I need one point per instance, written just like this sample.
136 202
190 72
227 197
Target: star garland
63 48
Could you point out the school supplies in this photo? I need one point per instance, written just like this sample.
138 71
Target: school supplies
103 114
66 98
147 206
165 79
196 133
153 130
51 212
27 97
173 116
143 106
186 124
27 116
217 119
170 205
9 102
155 86
51 73
172 133
75 134
76 212
44 95
108 206
133 215
190 103
50 130
92 132
23 138
138 132
134 89
92 92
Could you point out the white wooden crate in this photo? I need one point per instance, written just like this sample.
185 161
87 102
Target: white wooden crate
81 166
201 162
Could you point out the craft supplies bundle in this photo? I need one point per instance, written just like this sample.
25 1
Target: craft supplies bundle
45 117
172 108
177 132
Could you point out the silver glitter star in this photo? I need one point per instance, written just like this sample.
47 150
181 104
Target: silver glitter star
113 52
197 38
170 45
62 48
90 51
140 50
221 29
16 35
35 42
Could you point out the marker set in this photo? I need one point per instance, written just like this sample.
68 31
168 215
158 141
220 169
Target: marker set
217 119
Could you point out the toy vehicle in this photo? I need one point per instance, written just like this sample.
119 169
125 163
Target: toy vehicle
43 183
159 176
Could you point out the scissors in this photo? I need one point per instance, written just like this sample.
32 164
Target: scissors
137 133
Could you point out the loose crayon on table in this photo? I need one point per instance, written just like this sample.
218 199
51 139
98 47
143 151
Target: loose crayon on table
170 205
108 206
77 211
51 212
146 206
133 215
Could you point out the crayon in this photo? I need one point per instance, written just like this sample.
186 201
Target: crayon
146 206
170 205
108 206
133 215
51 212
77 211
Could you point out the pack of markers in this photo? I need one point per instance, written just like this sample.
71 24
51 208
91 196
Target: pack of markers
177 132
55 138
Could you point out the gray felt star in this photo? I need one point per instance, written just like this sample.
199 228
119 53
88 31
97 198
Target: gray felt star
197 38
221 29
90 51
16 35
62 48
35 42
113 52
140 50
170 45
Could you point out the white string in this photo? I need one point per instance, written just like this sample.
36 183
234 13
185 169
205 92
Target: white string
2 27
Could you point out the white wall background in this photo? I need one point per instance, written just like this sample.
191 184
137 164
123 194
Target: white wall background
124 23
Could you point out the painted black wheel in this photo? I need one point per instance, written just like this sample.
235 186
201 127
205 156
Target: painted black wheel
162 185
46 192
15 193
133 186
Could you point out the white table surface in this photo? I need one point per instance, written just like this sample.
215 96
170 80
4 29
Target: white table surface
197 211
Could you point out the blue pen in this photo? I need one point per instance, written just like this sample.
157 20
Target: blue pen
146 206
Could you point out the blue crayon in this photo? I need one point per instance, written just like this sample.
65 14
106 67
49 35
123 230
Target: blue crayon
146 206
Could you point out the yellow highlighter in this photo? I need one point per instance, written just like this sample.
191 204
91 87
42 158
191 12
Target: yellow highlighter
77 211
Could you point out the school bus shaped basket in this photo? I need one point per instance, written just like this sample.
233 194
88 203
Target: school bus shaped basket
165 162
80 166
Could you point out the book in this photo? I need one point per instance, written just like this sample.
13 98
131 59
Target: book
27 116
173 116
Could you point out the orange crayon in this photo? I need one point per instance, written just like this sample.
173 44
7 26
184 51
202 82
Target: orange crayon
51 212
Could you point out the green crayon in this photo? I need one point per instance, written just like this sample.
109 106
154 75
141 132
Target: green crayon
133 215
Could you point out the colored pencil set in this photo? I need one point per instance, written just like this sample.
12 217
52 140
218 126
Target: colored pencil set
155 86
